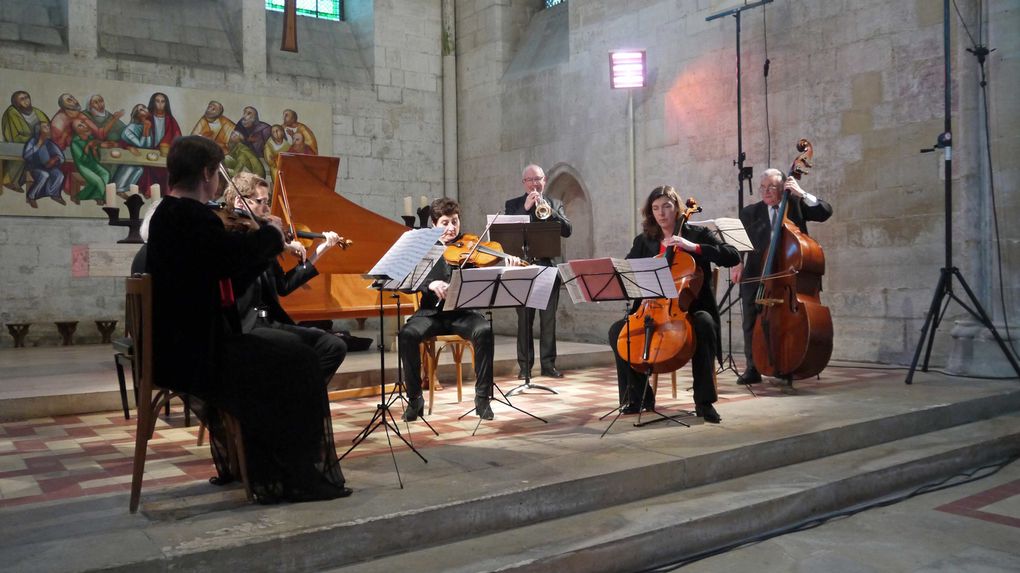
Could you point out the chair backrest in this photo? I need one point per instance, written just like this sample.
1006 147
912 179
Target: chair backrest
138 322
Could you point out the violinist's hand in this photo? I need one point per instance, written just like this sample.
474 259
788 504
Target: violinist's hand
736 273
331 240
531 200
512 261
439 287
793 187
297 249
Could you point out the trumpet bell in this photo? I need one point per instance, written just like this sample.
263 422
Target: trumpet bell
543 210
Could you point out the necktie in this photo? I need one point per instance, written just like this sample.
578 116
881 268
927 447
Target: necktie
773 212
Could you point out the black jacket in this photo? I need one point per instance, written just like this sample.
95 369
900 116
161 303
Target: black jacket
265 293
755 218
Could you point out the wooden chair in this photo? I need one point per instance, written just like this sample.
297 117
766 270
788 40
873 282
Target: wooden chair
431 348
138 314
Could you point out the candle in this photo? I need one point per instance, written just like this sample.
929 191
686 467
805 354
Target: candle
154 192
424 201
407 206
111 195
133 190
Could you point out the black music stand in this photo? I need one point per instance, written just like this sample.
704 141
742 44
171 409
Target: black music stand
529 241
603 280
401 265
500 287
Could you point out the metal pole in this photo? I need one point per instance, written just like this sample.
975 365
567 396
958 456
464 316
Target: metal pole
633 162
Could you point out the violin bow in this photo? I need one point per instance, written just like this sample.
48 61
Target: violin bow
479 241
244 200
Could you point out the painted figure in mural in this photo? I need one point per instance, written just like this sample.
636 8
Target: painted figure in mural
213 125
103 118
42 160
292 126
18 124
165 130
63 131
242 158
85 151
298 145
275 145
139 134
254 131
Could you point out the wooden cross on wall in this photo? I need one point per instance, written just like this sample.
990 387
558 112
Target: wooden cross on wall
289 43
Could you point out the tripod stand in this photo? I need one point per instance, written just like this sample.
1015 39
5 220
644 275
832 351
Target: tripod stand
944 288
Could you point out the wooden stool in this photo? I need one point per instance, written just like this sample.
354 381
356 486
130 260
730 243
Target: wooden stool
67 328
431 349
106 328
19 330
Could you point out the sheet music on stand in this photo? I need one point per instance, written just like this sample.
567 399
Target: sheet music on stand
413 280
498 287
403 257
731 231
594 280
500 218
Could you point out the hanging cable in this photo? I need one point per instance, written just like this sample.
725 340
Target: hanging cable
768 128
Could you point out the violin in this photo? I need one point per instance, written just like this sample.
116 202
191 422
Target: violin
467 250
661 337
793 331
297 230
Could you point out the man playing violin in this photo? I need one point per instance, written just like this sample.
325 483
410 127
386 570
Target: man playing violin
758 219
432 319
534 181
259 304
661 211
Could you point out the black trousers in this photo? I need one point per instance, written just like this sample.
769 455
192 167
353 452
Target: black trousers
750 312
465 324
330 348
633 384
547 330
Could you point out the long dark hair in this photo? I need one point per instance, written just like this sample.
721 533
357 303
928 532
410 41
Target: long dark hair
649 225
152 104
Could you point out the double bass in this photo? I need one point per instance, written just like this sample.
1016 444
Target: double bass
793 331
661 337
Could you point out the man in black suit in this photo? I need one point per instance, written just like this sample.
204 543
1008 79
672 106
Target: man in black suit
757 219
534 184
259 304
432 319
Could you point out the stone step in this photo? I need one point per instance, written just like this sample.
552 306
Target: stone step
528 480
656 531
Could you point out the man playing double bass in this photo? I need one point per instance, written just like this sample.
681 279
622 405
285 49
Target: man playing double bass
757 219
660 220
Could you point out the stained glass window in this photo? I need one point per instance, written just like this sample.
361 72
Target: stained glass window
551 3
322 9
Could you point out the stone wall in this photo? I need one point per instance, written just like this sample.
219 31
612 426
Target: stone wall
387 131
861 80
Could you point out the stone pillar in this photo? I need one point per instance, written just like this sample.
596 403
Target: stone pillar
253 38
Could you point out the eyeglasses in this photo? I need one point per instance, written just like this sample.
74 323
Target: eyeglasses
259 201
767 187
534 179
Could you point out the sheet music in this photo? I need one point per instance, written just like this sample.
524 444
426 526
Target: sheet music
506 219
413 280
528 286
647 277
405 254
731 231
591 280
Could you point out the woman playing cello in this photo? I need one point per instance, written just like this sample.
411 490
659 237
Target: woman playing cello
661 211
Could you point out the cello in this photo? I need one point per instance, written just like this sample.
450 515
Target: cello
793 331
661 337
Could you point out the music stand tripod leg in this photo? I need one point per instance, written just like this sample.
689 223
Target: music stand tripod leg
527 373
661 417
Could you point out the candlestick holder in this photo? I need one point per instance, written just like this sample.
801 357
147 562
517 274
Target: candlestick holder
423 218
133 222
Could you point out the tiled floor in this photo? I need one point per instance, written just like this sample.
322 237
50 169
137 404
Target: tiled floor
76 456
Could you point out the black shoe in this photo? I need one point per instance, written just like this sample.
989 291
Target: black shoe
707 411
520 375
749 377
483 408
552 372
415 408
631 409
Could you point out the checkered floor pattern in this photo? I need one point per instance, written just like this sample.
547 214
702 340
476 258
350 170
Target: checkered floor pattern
46 459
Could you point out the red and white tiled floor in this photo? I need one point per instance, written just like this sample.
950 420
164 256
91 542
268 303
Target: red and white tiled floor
64 457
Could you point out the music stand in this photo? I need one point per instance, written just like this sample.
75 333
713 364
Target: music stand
609 279
404 264
529 241
500 287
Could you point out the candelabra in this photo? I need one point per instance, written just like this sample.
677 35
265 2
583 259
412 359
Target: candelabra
423 218
133 222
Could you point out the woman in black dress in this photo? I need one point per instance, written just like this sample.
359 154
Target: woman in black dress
268 381
660 220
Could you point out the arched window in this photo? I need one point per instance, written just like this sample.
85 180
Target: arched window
551 3
566 185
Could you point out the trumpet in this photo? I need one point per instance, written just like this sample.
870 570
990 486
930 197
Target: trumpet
543 210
